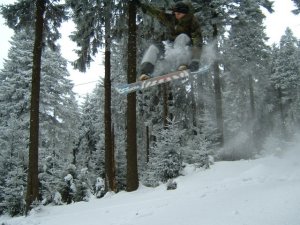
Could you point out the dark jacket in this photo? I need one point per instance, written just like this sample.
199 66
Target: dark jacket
188 25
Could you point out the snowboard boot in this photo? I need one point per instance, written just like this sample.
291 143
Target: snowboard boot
146 69
194 66
182 67
144 77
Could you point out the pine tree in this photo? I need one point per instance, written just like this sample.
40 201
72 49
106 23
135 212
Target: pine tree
58 108
285 80
166 160
12 176
245 60
20 16
197 152
50 177
89 16
297 3
89 152
14 190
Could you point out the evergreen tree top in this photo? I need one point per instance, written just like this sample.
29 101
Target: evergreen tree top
21 15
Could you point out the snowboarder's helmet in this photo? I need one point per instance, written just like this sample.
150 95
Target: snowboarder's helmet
181 7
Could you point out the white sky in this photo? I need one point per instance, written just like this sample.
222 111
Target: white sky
276 23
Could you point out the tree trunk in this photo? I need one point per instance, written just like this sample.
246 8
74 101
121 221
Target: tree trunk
217 86
109 155
113 161
194 105
165 105
251 93
132 171
252 112
33 180
200 103
147 144
282 116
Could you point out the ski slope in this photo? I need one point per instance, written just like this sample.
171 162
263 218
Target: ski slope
265 191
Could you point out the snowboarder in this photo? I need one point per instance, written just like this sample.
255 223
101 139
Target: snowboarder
184 32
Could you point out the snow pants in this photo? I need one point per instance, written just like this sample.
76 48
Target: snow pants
175 54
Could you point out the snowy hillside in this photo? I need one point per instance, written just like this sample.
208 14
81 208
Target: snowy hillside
265 191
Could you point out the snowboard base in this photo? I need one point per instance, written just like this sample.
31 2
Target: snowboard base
140 85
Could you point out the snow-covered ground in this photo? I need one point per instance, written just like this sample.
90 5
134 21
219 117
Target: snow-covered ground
264 191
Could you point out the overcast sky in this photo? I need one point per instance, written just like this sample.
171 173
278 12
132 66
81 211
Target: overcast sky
276 23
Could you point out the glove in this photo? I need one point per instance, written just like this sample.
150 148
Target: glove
194 66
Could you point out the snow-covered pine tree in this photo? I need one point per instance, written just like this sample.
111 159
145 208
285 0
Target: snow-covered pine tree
297 3
14 110
89 151
45 17
285 80
197 152
58 107
166 160
13 164
14 95
83 187
14 190
245 59
89 36
50 177
68 187
99 188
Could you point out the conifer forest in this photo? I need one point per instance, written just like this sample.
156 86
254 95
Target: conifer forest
55 150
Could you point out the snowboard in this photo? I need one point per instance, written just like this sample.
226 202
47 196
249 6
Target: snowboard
140 85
